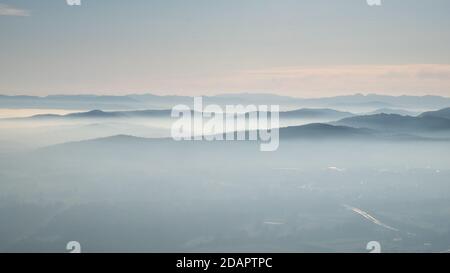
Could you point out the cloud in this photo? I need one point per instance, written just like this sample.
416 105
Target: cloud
7 10
413 79
344 71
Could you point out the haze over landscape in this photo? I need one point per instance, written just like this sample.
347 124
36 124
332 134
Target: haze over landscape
116 181
86 147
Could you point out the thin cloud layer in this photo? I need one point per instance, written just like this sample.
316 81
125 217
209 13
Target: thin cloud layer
7 10
378 71
331 80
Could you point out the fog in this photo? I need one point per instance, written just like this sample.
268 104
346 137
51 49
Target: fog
116 181
131 194
41 131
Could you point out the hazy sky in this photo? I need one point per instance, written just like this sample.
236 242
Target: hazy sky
300 48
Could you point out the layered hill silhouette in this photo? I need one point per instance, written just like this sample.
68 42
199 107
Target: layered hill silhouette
310 132
397 123
443 113
394 111
304 113
146 101
322 131
99 114
310 113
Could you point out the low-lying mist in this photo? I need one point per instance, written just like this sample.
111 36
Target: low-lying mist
131 194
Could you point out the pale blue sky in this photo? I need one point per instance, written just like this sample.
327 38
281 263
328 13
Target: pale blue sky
292 47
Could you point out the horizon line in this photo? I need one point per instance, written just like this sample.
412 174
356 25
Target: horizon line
220 94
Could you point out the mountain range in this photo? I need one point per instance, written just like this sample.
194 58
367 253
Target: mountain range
397 123
150 101
443 113
304 113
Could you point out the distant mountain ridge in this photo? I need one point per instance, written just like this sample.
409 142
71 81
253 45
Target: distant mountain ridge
310 132
304 113
393 111
397 123
147 101
443 113
321 130
110 114
312 113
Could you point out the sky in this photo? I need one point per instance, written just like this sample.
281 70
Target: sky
298 48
